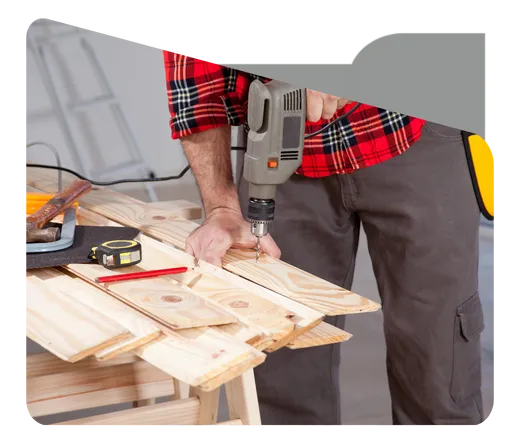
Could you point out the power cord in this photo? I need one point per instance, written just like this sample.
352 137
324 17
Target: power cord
337 120
54 151
111 183
154 179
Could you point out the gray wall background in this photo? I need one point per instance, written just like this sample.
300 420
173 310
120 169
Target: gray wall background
137 77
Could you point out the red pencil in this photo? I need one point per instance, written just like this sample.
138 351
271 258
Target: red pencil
142 274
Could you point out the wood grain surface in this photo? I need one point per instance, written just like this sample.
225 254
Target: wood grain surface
181 412
75 390
322 334
158 298
275 275
196 356
65 326
143 330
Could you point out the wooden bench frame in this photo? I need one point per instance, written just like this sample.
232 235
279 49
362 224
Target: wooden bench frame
56 386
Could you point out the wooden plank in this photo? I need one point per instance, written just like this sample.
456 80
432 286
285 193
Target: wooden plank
273 274
40 364
158 298
322 334
143 330
199 354
233 337
278 318
175 208
250 333
196 356
296 284
238 331
263 319
181 412
264 346
250 308
103 386
65 326
126 346
304 317
223 378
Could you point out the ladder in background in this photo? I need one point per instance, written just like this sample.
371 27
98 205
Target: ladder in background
74 110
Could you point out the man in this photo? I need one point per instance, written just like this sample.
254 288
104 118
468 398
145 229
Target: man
408 183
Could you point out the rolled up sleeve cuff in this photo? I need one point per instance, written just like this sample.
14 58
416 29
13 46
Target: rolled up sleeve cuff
203 95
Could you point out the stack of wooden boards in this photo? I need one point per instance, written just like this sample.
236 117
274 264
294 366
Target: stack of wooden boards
204 327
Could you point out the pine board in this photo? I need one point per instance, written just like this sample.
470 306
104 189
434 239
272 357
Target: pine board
76 390
65 326
142 329
273 274
158 298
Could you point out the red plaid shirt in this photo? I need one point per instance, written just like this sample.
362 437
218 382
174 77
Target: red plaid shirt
203 96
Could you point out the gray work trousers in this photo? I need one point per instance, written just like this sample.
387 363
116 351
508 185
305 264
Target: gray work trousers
421 219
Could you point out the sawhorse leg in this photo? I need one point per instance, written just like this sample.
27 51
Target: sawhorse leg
242 399
181 390
243 406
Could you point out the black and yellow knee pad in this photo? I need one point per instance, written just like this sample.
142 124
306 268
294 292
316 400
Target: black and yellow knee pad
480 163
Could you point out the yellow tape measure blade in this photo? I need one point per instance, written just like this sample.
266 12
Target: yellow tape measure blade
120 244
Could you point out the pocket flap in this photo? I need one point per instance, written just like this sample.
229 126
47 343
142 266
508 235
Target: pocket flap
471 317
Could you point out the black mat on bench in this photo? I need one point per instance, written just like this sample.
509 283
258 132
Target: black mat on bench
85 238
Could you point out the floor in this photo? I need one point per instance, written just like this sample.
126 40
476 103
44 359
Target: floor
365 395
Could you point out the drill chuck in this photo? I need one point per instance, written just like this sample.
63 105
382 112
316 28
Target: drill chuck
260 228
260 215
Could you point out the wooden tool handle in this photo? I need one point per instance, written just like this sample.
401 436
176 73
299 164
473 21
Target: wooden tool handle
57 204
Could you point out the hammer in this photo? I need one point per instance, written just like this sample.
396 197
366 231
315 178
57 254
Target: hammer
43 235
52 208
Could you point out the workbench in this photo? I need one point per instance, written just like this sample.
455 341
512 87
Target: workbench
180 337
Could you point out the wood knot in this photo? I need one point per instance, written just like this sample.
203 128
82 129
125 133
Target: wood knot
217 354
239 304
171 299
158 217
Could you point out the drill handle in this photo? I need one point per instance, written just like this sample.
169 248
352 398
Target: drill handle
277 117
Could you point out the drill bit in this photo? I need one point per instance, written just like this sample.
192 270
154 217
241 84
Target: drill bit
257 249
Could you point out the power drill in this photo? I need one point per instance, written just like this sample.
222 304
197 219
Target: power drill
276 117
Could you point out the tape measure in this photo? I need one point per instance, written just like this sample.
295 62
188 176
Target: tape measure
117 253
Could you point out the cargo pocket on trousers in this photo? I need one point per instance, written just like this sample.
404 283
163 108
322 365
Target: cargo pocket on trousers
469 323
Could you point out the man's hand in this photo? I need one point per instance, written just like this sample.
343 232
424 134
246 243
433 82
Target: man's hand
320 105
224 228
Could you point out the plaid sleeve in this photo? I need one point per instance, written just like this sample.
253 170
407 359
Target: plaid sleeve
203 95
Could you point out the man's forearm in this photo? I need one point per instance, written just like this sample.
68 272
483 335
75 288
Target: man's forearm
208 154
